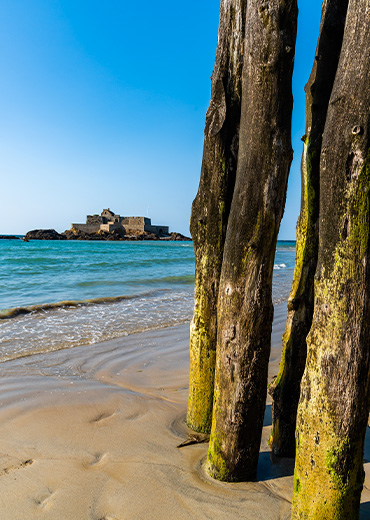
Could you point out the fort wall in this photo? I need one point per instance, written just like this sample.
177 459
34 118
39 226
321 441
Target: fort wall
87 228
135 223
158 230
94 219
111 226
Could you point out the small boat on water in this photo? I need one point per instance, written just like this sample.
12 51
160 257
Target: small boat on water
25 239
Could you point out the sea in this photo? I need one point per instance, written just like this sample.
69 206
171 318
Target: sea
62 294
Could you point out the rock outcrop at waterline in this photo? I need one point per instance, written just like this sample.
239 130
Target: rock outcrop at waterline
176 236
116 235
44 234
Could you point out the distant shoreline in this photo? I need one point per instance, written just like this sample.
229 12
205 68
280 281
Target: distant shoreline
52 234
128 238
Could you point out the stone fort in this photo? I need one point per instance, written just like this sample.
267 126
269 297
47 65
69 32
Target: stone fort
109 221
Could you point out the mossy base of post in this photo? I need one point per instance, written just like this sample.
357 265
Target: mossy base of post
202 375
329 475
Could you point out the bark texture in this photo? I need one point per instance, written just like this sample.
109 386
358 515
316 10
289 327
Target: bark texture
335 389
245 308
211 207
286 389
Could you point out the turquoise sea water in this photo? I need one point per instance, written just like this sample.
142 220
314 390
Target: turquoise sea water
60 294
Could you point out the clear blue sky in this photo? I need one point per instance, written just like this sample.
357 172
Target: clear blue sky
103 105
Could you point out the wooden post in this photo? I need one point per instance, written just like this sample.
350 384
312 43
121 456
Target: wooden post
245 308
335 389
286 389
211 208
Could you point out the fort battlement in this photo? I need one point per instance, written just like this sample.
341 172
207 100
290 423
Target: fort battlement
109 221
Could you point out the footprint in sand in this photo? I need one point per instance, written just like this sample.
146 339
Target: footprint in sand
135 416
102 417
43 500
98 460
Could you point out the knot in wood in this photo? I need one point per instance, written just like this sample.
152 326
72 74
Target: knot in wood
228 289
357 130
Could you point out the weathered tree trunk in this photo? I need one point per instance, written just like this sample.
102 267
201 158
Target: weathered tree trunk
335 388
211 207
245 308
286 388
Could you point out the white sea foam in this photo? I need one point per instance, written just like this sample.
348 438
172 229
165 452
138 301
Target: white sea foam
279 266
70 327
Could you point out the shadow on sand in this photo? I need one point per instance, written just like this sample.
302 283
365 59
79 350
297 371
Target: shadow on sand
269 465
365 511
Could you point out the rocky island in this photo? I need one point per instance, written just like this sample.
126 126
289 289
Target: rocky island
109 226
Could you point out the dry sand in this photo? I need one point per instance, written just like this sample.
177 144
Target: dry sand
91 433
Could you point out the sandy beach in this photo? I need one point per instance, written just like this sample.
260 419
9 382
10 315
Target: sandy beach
91 433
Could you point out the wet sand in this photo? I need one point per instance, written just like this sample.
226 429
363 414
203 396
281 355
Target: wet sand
91 433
